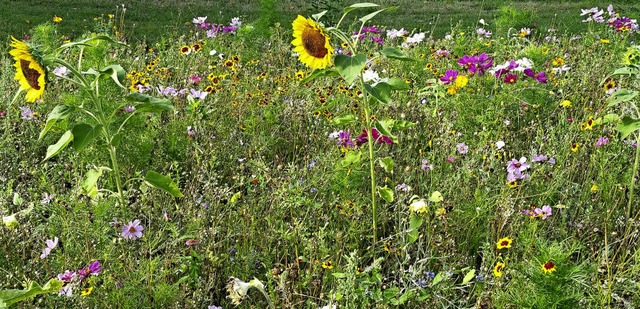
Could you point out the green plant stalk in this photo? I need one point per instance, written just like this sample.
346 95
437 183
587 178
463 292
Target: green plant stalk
633 178
371 159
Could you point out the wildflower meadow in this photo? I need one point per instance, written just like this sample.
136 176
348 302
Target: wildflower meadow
330 157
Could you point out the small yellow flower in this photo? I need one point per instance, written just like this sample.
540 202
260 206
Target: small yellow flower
604 41
185 50
497 270
512 184
548 267
461 81
86 291
327 265
565 103
609 85
594 188
575 147
557 62
504 242
57 19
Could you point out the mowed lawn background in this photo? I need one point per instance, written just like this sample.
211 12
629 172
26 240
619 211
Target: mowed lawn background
150 20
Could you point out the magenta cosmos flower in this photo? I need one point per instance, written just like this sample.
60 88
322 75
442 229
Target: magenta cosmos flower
132 230
449 77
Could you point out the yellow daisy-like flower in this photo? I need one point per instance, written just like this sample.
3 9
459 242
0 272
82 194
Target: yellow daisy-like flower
575 147
327 265
86 291
311 43
497 270
548 267
504 243
185 49
557 62
29 73
565 103
57 19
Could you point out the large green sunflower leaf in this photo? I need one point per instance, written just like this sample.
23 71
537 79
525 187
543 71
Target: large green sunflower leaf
622 95
83 134
10 297
162 182
64 140
350 66
59 112
368 17
320 73
358 6
627 126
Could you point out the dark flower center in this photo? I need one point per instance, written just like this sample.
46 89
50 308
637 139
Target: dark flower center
504 243
314 41
30 74
549 265
132 229
499 268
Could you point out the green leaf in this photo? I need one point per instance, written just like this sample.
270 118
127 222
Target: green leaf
436 197
414 223
394 53
17 200
386 193
368 17
400 125
59 112
343 120
381 91
622 95
320 73
162 182
86 41
405 297
54 149
115 71
629 70
350 67
388 164
437 279
628 126
350 158
10 297
358 6
83 134
340 275
469 276
397 84
384 127
390 292
149 103
608 118
89 184
319 15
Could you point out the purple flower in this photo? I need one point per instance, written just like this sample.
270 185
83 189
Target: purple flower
95 268
344 139
194 79
426 166
377 39
602 141
451 159
449 77
363 138
191 132
544 212
462 148
517 165
539 158
191 242
539 77
552 161
67 276
27 113
197 94
51 244
510 78
129 108
132 230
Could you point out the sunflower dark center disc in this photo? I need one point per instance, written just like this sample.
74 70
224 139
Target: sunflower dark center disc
313 41
30 74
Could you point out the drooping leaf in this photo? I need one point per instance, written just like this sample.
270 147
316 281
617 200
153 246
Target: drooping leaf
368 17
628 70
384 127
415 222
85 42
54 149
627 126
381 91
394 53
386 193
388 164
83 134
59 112
90 183
162 182
358 6
317 16
320 73
10 297
350 67
343 120
436 197
115 71
622 95
397 84
149 103
469 276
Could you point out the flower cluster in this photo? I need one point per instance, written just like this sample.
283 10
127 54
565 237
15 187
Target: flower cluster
515 169
74 279
212 30
542 213
476 64
372 32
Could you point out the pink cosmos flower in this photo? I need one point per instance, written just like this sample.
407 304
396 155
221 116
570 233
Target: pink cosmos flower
133 230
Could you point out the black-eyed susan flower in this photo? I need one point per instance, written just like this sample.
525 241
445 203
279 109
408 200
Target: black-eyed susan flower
86 291
504 242
327 265
497 270
575 147
311 42
29 71
300 75
609 85
548 267
185 50
557 62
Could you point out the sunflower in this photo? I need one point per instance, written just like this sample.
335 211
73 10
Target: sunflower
312 43
29 73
